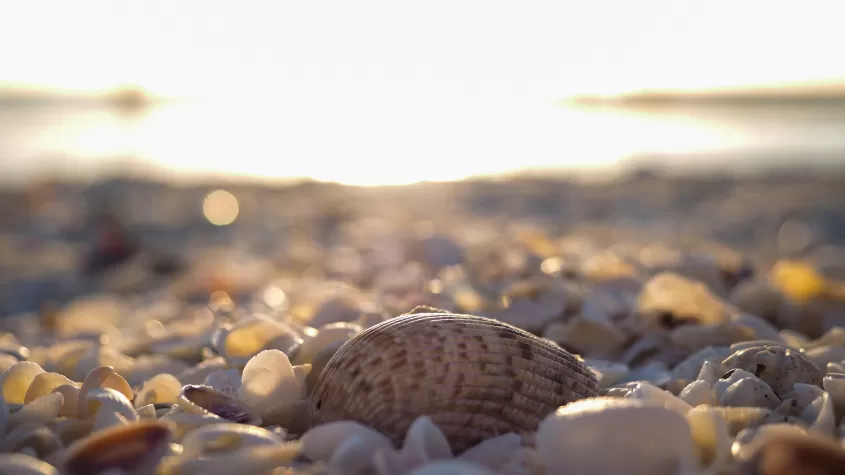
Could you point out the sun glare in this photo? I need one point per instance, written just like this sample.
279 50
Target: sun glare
292 90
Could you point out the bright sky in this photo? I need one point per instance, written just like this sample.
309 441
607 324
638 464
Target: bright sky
538 49
403 91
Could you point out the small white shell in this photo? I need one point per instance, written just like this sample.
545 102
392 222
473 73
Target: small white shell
724 383
353 455
160 389
110 400
271 385
426 440
834 384
749 392
320 442
710 372
697 393
819 416
578 437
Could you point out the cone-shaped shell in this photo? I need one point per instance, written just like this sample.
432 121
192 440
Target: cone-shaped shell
475 377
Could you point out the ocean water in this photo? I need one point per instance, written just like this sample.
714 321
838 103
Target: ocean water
400 140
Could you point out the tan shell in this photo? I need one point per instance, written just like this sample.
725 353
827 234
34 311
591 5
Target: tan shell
475 377
136 448
788 454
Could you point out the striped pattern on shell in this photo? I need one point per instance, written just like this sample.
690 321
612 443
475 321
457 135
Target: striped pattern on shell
475 377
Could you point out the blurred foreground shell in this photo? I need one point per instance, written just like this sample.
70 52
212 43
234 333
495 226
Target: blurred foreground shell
135 448
793 454
475 377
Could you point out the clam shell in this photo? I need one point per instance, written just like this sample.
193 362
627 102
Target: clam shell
475 377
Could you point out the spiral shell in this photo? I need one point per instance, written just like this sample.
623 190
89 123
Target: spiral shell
475 377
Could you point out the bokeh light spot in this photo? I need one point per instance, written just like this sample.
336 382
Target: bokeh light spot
220 208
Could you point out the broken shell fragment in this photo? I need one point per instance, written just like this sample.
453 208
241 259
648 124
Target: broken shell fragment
203 400
101 377
780 367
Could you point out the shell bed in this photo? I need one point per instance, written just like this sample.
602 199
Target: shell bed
528 354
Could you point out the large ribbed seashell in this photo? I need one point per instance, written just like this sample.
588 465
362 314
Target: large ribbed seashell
475 377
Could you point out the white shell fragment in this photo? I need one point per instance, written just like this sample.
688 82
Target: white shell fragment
578 437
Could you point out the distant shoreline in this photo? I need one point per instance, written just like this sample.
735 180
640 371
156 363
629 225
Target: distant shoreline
124 98
834 97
